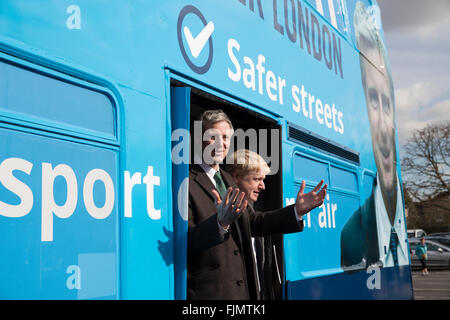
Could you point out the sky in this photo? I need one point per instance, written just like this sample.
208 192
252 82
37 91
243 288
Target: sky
417 35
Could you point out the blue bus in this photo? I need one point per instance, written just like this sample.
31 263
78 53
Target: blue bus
95 97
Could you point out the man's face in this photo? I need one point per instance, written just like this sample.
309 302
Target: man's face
252 184
216 142
381 117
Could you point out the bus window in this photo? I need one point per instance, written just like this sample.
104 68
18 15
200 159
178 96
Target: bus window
39 98
343 179
310 170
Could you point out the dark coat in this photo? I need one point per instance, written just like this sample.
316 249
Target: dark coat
224 267
267 249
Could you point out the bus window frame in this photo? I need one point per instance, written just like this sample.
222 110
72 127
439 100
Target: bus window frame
37 62
322 157
69 75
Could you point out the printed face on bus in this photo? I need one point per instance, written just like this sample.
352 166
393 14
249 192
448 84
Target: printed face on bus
381 118
252 184
216 142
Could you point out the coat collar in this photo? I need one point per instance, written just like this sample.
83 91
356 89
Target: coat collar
202 179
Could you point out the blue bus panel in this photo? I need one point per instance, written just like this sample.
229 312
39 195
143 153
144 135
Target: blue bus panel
92 204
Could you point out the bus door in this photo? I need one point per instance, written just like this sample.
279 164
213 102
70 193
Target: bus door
180 121
58 181
313 256
252 130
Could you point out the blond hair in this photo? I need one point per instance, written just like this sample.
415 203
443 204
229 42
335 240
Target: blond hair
245 161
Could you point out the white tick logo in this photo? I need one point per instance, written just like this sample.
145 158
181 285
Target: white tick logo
195 45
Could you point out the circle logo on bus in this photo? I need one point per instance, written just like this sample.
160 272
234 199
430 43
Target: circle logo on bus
193 37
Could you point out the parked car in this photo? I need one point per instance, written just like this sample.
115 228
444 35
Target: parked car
445 234
416 233
442 238
438 255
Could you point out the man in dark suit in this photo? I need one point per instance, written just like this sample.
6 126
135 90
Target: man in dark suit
221 264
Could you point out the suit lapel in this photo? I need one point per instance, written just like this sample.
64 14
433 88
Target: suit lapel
202 179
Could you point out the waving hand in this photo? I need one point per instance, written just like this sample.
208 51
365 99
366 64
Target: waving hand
307 201
229 209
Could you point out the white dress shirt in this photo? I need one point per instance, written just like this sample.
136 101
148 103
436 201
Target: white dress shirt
210 172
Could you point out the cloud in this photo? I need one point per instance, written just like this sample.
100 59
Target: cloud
439 111
420 104
424 17
417 95
417 35
418 48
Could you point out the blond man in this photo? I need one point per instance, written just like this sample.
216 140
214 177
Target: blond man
249 170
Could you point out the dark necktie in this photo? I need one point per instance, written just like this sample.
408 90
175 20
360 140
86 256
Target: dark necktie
393 246
220 185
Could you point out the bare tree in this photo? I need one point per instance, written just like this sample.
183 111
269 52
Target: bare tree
426 163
